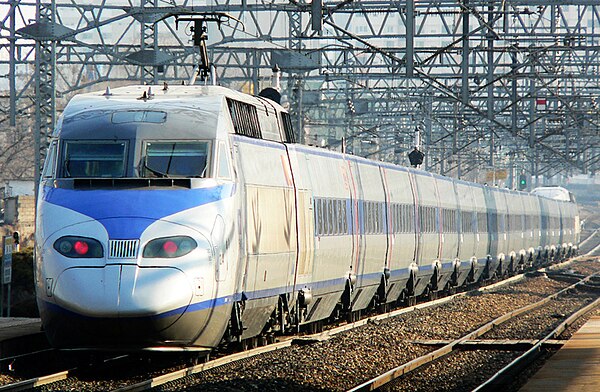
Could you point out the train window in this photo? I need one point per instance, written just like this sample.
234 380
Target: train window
166 159
377 227
340 217
147 116
325 217
245 118
382 216
330 217
367 217
404 218
400 218
373 217
375 210
223 169
396 218
367 214
316 215
343 217
482 222
288 129
473 221
336 216
50 162
376 218
390 218
88 159
321 218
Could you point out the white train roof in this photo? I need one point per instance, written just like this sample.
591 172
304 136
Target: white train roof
553 192
200 107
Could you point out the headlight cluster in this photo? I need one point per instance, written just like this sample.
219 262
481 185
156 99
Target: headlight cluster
79 247
83 247
169 247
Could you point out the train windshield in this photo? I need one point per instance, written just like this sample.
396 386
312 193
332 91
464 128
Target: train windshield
176 159
94 159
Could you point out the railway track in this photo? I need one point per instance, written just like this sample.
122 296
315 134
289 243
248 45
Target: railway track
414 348
71 379
499 379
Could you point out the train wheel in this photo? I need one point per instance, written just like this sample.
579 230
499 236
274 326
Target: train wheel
262 341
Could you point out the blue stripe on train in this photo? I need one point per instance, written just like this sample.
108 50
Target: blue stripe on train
141 208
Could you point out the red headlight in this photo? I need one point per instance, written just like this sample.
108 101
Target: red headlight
79 247
169 247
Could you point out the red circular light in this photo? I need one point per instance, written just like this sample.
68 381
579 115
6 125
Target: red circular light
81 247
170 247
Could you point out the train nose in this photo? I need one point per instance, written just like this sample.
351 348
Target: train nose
123 291
121 306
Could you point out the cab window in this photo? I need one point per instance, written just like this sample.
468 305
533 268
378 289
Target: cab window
50 162
175 159
94 159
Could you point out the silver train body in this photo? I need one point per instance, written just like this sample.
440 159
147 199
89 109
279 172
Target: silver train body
179 219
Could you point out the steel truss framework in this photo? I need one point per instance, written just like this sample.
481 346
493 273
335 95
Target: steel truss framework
498 84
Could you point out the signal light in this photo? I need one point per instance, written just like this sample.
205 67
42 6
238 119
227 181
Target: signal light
169 247
79 247
522 182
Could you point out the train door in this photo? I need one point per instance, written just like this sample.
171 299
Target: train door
544 222
357 216
240 211
492 222
418 229
561 228
224 250
306 234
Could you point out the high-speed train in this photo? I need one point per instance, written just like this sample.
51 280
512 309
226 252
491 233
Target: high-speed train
176 218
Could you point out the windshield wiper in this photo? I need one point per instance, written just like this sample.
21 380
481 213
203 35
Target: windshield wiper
156 172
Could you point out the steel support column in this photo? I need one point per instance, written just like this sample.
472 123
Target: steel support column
45 86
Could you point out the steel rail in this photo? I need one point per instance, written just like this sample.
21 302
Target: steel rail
289 341
498 380
36 382
393 374
160 380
